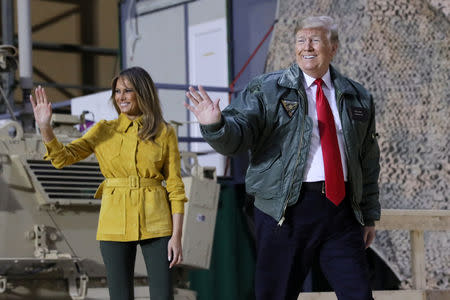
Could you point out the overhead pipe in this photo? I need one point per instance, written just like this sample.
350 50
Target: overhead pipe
25 47
7 39
7 22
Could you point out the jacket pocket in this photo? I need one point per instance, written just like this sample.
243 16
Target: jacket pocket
152 150
150 155
110 149
157 211
112 212
264 176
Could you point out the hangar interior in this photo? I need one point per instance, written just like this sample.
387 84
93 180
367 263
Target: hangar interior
397 49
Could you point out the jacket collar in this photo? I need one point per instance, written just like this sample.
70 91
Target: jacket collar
124 123
291 78
341 84
326 79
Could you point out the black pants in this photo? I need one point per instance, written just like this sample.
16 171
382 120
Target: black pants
314 226
119 259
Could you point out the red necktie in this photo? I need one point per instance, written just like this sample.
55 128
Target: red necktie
334 177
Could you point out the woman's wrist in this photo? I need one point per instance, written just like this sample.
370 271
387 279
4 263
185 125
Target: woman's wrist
44 126
176 235
177 225
47 134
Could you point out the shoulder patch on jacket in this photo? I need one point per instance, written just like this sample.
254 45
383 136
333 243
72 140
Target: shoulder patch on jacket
290 106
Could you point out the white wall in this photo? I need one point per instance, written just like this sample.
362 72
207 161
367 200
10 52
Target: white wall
202 11
156 41
160 47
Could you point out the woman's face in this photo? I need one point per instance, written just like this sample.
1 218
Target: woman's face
125 98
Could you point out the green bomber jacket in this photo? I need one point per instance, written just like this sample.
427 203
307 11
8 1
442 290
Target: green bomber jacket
269 118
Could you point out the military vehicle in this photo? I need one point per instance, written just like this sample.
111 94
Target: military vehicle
48 221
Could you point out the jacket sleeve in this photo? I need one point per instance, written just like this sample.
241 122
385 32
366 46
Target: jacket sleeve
63 155
370 163
172 173
241 124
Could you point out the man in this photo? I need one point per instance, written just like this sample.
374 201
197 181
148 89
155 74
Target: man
314 166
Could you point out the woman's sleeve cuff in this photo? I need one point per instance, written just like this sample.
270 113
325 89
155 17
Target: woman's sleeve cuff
177 207
53 146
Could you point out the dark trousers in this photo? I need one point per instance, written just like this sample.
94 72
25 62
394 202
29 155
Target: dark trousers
313 226
119 259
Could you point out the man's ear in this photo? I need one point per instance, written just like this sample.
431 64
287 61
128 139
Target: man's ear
334 48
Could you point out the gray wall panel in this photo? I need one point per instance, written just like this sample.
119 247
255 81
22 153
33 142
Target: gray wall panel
202 11
160 49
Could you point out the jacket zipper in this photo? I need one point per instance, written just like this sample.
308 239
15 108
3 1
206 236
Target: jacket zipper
340 103
280 223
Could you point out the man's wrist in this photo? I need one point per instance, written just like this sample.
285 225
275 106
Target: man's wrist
214 126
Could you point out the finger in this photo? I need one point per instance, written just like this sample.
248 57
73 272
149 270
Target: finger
33 103
38 96
44 95
216 103
192 98
370 240
195 94
169 253
173 261
190 107
177 259
367 239
204 93
193 110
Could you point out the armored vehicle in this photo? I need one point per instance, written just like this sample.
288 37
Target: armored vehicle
48 221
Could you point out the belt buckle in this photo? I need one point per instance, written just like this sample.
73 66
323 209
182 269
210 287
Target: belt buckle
133 181
323 187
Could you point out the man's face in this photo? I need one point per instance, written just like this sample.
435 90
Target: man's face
314 51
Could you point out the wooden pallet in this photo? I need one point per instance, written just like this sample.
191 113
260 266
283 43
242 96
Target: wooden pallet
416 221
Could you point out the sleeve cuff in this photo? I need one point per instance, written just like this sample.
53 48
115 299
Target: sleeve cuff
369 223
213 127
177 207
52 146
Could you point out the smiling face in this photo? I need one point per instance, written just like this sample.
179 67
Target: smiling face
314 51
125 98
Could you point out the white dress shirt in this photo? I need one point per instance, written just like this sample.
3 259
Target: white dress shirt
314 170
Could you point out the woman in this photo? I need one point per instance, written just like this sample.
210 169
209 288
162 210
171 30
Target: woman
136 152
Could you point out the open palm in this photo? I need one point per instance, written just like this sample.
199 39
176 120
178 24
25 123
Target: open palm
42 108
205 110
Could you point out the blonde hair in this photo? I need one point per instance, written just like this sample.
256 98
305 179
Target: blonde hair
147 100
325 22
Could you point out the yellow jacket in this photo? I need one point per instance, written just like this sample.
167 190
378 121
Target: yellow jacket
135 206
